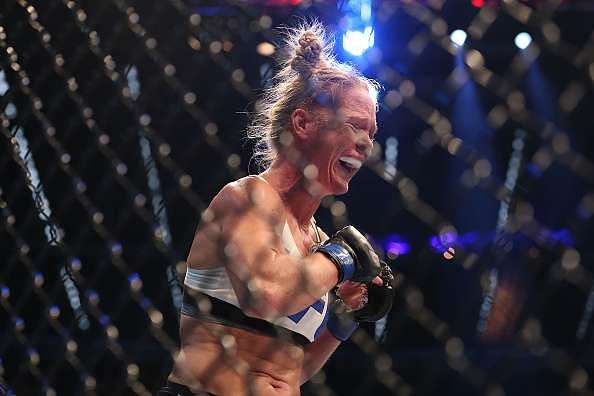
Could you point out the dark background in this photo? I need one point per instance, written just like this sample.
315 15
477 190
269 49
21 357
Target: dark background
531 345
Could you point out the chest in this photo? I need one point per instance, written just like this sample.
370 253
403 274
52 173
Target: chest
298 242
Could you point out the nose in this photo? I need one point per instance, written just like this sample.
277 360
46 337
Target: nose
364 145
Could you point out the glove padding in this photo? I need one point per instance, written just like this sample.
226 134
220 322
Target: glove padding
352 254
380 298
343 323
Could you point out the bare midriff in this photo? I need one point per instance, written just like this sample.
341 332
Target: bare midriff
225 360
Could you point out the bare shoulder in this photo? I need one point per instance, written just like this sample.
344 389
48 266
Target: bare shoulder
243 208
245 195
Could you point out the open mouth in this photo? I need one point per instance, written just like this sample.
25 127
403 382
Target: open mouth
349 164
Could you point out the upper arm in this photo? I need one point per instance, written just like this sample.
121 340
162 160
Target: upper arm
249 216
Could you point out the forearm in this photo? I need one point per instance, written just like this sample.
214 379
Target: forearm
291 285
317 354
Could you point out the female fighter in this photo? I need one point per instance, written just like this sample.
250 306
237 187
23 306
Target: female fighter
257 315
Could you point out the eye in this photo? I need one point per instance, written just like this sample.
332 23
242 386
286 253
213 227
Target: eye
355 127
360 128
352 126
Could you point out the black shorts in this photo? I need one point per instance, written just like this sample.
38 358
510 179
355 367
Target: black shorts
175 389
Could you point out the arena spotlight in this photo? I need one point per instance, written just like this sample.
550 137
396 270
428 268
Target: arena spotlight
394 245
458 37
359 33
523 40
356 42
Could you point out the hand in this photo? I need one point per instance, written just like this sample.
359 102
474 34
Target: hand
354 295
346 310
352 254
379 297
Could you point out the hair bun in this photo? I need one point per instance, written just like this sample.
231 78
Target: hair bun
307 55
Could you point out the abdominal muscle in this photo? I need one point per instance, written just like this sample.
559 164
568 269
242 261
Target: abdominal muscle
249 364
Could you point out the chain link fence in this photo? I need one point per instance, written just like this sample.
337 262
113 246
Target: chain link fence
121 119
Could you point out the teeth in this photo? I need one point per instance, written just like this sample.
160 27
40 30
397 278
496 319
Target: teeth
353 162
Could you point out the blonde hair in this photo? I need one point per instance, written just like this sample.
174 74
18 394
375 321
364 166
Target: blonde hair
309 77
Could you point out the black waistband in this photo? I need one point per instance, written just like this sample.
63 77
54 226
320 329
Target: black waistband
175 389
209 309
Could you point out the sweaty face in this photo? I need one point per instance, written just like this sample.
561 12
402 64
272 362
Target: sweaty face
344 140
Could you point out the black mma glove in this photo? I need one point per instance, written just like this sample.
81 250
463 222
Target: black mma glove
342 323
380 298
352 254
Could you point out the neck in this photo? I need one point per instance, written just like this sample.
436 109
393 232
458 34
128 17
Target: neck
294 189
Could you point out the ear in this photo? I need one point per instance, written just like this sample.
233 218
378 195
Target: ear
304 125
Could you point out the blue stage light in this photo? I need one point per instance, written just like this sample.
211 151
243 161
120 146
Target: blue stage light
357 42
359 33
395 245
395 249
458 37
523 40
